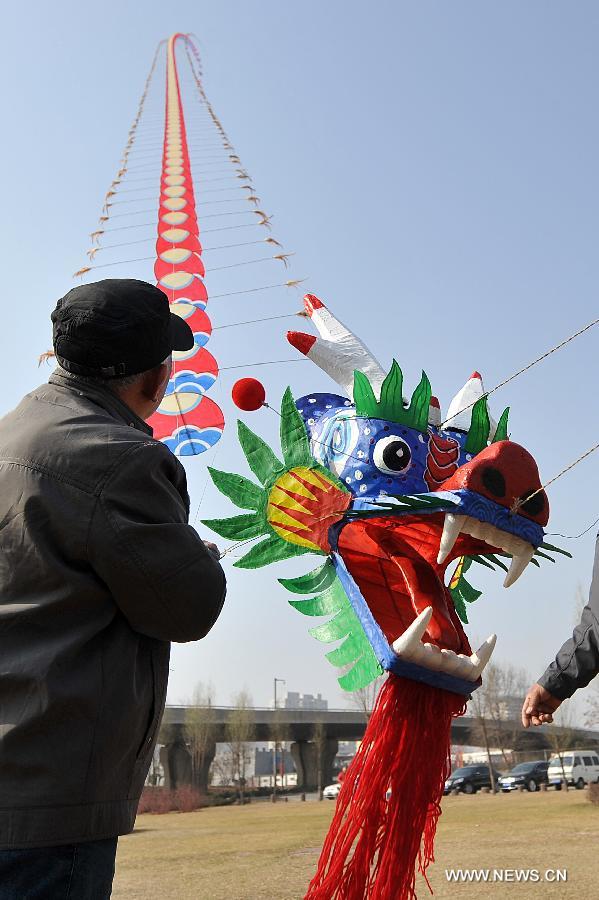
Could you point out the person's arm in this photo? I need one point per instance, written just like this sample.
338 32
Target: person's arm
576 663
163 578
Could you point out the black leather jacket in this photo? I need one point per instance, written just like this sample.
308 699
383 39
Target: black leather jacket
99 571
577 662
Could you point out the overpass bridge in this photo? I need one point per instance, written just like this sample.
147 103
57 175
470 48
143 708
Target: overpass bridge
298 726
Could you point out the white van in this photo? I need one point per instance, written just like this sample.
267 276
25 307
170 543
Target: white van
579 766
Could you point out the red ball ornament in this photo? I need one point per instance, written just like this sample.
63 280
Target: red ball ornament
248 394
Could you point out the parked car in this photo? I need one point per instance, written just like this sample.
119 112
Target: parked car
579 767
331 791
469 779
527 774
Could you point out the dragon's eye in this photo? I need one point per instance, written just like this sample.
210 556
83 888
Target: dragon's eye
392 455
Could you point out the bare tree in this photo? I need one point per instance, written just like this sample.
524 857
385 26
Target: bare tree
364 698
495 706
221 769
561 738
240 733
478 708
199 732
503 686
591 715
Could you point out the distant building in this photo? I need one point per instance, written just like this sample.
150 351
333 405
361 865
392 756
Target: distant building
295 700
263 761
506 707
510 707
347 749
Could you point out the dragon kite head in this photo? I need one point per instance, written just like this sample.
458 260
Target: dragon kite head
391 496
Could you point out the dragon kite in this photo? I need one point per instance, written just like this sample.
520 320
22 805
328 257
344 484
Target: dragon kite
372 482
389 497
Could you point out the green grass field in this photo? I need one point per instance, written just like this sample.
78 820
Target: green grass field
266 851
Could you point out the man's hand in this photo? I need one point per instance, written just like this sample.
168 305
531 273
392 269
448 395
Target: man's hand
539 706
213 549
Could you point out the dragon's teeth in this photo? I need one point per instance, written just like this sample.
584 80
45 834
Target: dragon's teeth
431 656
521 551
438 659
451 529
408 644
482 656
465 666
451 662
476 529
518 564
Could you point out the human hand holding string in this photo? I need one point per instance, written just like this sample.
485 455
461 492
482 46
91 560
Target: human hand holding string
539 706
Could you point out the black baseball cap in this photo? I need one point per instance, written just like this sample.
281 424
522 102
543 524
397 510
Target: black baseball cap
116 327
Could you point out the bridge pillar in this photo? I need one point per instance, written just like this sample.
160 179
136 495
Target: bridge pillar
176 762
200 778
305 758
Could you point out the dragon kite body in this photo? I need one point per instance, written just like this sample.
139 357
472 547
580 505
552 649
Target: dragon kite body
373 483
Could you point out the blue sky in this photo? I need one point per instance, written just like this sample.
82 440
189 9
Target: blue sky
434 168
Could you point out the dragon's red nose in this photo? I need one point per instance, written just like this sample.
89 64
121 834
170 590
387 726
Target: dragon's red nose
505 473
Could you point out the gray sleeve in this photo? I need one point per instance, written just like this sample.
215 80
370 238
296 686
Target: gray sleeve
155 565
578 660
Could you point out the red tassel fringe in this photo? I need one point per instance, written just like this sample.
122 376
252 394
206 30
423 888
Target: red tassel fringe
377 838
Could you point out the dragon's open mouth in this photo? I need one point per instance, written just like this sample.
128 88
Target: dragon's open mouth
405 590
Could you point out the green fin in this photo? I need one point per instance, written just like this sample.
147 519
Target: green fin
554 549
460 606
417 411
237 528
317 580
335 629
544 555
330 601
261 460
241 491
273 549
364 398
501 431
463 592
478 433
343 626
391 402
391 406
469 593
482 561
295 443
347 652
492 557
362 674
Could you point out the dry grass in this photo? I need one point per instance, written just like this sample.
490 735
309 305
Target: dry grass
264 851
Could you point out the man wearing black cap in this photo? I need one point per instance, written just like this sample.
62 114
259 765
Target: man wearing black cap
99 572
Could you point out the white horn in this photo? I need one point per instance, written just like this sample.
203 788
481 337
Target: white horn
459 414
337 352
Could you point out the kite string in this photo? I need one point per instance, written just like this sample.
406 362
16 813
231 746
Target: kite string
238 544
149 240
214 455
519 501
256 321
153 225
573 537
282 257
524 369
138 116
197 77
